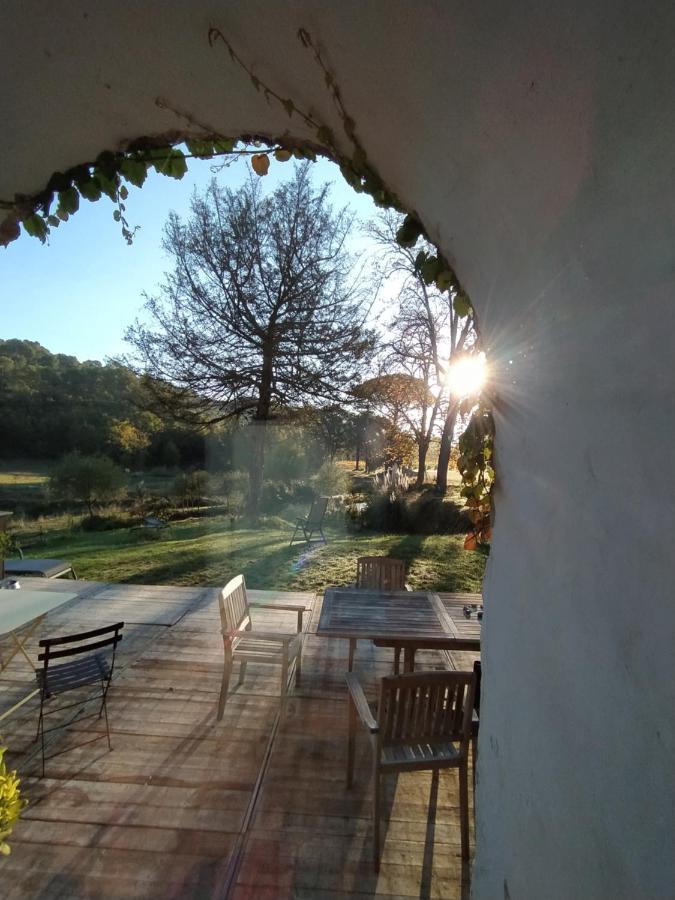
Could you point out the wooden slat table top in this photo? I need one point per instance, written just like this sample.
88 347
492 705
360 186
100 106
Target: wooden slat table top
467 629
408 618
388 615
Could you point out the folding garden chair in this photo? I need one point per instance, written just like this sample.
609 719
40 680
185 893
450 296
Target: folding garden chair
312 523
91 668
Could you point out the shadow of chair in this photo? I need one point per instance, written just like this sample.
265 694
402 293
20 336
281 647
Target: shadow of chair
311 523
379 573
92 668
423 722
242 642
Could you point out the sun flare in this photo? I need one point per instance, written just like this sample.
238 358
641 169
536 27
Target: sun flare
466 376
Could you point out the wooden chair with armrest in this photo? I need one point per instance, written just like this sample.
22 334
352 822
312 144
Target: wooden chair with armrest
244 643
423 722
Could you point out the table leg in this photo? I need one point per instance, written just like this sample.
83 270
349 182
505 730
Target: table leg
19 645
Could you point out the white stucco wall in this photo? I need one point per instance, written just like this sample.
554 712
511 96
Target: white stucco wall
538 146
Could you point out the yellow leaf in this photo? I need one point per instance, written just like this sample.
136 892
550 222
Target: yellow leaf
260 163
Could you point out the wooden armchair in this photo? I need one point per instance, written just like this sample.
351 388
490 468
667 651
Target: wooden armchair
423 722
380 573
241 642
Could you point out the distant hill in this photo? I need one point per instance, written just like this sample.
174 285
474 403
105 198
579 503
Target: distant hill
51 404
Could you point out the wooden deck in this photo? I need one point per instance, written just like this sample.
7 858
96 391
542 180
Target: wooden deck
183 806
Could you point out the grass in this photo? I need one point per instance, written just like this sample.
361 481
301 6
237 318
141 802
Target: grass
209 552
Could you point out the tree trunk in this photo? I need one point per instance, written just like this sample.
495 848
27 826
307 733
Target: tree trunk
256 465
422 449
358 450
444 451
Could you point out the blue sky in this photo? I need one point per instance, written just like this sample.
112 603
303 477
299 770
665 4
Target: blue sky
78 293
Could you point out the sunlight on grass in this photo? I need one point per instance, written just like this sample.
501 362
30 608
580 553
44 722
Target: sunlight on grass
209 552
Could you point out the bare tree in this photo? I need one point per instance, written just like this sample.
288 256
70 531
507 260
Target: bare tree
263 309
425 335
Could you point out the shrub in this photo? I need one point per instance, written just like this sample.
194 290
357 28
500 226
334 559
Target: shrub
11 803
428 514
331 479
191 487
90 479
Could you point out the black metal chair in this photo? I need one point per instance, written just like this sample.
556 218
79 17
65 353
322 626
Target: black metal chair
312 523
92 668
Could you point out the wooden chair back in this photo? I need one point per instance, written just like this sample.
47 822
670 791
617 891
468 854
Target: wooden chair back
381 573
234 612
426 707
317 512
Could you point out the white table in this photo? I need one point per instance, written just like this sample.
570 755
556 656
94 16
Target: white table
21 612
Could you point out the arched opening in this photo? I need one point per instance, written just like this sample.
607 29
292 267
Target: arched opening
513 136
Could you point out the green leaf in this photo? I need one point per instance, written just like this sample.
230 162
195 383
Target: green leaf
200 148
69 201
117 215
91 189
171 163
54 221
224 145
420 258
409 232
108 185
445 279
429 269
36 226
134 170
289 106
124 193
461 305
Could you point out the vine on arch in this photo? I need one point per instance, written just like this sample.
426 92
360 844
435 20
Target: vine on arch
111 171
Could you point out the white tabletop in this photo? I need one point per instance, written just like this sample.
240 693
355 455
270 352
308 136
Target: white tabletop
19 607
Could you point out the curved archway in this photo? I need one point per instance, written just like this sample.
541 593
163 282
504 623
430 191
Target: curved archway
512 134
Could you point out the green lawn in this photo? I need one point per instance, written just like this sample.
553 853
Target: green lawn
208 551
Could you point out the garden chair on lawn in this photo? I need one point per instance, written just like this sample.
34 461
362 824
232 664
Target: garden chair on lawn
92 668
379 573
242 642
423 722
312 523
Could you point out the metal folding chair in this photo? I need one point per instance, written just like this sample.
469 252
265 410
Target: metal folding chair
91 668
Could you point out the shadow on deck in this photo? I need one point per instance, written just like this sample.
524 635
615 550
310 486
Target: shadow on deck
183 806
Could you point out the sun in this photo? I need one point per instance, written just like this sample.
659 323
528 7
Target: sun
466 376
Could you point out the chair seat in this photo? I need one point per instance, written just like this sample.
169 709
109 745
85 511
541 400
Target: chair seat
75 674
267 648
414 754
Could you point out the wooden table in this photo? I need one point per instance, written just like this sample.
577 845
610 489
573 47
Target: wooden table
413 620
